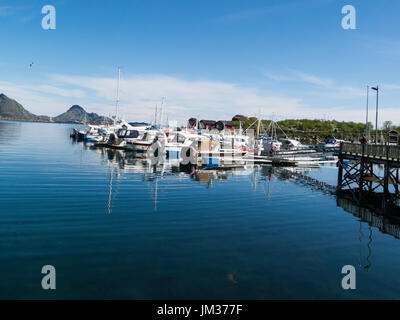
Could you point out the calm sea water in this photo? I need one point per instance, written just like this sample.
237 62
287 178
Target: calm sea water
114 227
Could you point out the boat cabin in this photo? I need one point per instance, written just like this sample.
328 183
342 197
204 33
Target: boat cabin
124 133
393 137
207 124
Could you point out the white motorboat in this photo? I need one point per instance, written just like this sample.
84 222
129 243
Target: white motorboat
330 144
176 140
143 140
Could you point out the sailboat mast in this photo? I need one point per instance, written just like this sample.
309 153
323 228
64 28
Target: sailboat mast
155 117
161 111
117 101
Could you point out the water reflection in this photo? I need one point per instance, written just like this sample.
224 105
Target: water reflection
9 131
126 218
121 161
386 222
110 190
125 162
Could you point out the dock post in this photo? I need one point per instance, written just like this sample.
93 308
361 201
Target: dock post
340 173
386 180
340 167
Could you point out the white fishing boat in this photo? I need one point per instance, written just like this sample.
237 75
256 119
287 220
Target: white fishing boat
270 145
237 143
286 148
270 142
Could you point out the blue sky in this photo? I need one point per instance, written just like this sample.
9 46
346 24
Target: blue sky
212 59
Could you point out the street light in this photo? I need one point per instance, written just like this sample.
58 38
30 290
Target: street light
376 121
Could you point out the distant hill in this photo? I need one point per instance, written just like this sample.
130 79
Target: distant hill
12 110
77 114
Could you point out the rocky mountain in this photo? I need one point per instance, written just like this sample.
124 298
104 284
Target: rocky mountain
77 114
12 110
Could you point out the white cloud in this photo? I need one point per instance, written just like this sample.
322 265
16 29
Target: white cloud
279 77
322 87
389 86
75 93
6 11
299 76
206 99
40 99
312 79
278 8
189 98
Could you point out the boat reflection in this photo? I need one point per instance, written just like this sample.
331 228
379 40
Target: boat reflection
122 162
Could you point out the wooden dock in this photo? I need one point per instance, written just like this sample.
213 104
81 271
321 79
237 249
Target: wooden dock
357 169
275 161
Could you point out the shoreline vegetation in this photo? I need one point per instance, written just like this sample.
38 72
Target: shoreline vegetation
304 130
316 130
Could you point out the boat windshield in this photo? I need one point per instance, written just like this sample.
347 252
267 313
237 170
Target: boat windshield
121 133
132 134
179 138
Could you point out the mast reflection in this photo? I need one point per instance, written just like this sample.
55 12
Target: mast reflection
128 163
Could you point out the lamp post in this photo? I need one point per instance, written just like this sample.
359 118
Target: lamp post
376 121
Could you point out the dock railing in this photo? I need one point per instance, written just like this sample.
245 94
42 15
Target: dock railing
378 151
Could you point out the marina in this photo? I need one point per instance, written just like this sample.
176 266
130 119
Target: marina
153 222
208 147
199 159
